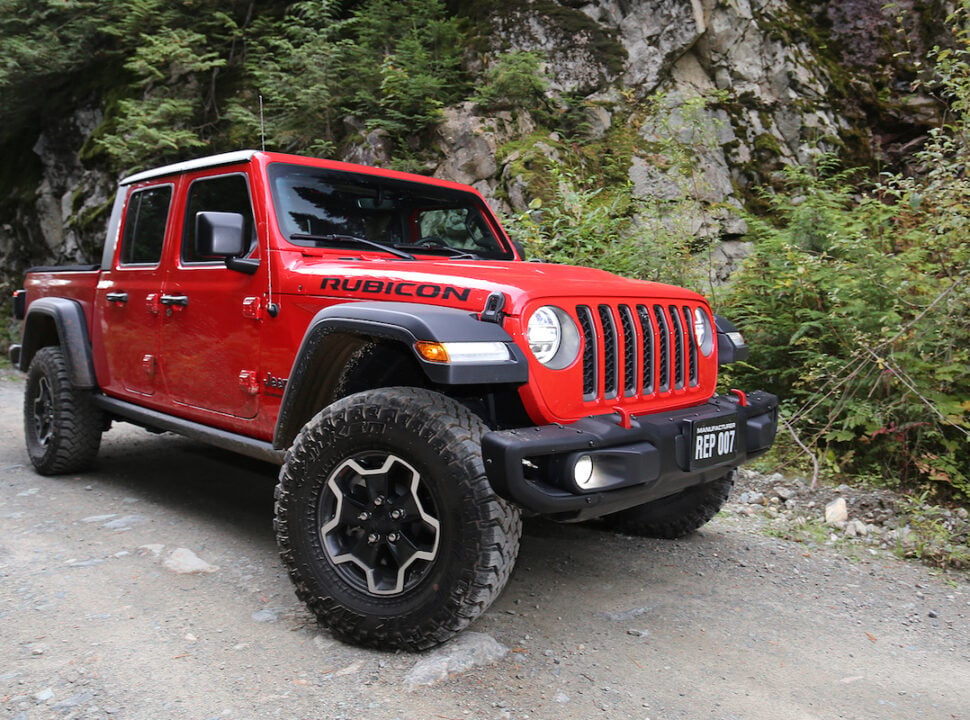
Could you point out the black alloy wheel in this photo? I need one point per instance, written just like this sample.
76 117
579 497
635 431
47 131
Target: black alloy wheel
386 522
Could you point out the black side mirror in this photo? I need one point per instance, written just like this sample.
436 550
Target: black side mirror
220 234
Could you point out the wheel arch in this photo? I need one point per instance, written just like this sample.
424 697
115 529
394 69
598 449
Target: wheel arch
60 321
328 363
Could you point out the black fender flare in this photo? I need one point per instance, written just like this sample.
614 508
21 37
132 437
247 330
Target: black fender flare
67 317
405 323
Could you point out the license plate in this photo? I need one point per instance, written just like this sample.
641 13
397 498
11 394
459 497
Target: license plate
713 441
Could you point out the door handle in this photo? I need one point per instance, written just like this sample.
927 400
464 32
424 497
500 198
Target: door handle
180 300
118 297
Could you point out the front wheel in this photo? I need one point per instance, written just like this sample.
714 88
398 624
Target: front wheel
676 515
387 523
62 425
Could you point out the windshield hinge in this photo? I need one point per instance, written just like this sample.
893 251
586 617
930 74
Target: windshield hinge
493 308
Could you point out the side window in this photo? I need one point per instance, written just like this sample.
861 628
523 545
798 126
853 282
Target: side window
141 242
226 193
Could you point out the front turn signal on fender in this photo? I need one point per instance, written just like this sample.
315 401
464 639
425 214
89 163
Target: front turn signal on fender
462 352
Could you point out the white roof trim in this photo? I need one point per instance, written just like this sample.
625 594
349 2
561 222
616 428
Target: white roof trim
197 164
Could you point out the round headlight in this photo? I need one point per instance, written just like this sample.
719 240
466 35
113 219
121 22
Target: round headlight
553 337
545 334
703 332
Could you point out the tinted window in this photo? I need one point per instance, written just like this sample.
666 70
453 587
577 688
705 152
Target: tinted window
323 208
226 193
144 234
461 228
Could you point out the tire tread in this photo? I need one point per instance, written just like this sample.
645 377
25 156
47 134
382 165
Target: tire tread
78 421
676 516
442 423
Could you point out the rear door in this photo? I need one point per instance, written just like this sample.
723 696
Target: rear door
211 315
128 296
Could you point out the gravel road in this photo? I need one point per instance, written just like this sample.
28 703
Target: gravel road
151 589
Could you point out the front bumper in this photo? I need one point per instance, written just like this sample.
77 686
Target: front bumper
656 456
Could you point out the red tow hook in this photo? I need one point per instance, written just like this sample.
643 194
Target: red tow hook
626 417
742 397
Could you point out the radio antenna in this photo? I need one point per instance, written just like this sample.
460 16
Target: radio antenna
262 126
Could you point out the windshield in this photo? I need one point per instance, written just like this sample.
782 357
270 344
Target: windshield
328 208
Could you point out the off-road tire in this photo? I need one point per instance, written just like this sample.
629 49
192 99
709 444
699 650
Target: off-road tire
62 425
353 466
676 515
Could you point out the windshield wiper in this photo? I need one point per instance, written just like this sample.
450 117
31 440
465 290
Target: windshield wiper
337 238
454 253
457 254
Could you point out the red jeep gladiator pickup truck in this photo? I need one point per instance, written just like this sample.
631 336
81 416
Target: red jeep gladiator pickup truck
379 336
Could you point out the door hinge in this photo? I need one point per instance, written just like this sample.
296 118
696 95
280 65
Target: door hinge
252 308
249 382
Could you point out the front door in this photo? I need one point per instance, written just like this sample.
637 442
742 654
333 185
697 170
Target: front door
211 314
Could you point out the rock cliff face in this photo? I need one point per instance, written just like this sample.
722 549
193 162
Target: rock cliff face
780 81
774 98
746 87
60 214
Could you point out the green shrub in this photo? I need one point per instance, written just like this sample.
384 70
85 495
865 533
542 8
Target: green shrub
857 303
858 311
513 81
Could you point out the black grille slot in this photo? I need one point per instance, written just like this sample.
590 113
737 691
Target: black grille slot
610 370
637 350
663 348
647 351
590 351
678 331
629 351
691 347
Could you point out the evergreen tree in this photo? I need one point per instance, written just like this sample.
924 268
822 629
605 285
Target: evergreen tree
177 66
296 66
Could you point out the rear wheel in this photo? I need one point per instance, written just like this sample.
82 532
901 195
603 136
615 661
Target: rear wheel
62 425
676 515
387 523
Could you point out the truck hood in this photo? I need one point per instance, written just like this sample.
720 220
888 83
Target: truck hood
463 283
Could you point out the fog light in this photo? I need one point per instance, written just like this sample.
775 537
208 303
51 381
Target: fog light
583 471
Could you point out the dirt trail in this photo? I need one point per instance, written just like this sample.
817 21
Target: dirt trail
98 619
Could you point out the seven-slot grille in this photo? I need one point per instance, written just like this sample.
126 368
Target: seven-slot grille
637 350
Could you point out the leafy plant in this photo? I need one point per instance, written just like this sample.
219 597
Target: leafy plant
169 66
858 305
858 311
579 226
404 64
513 81
934 534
